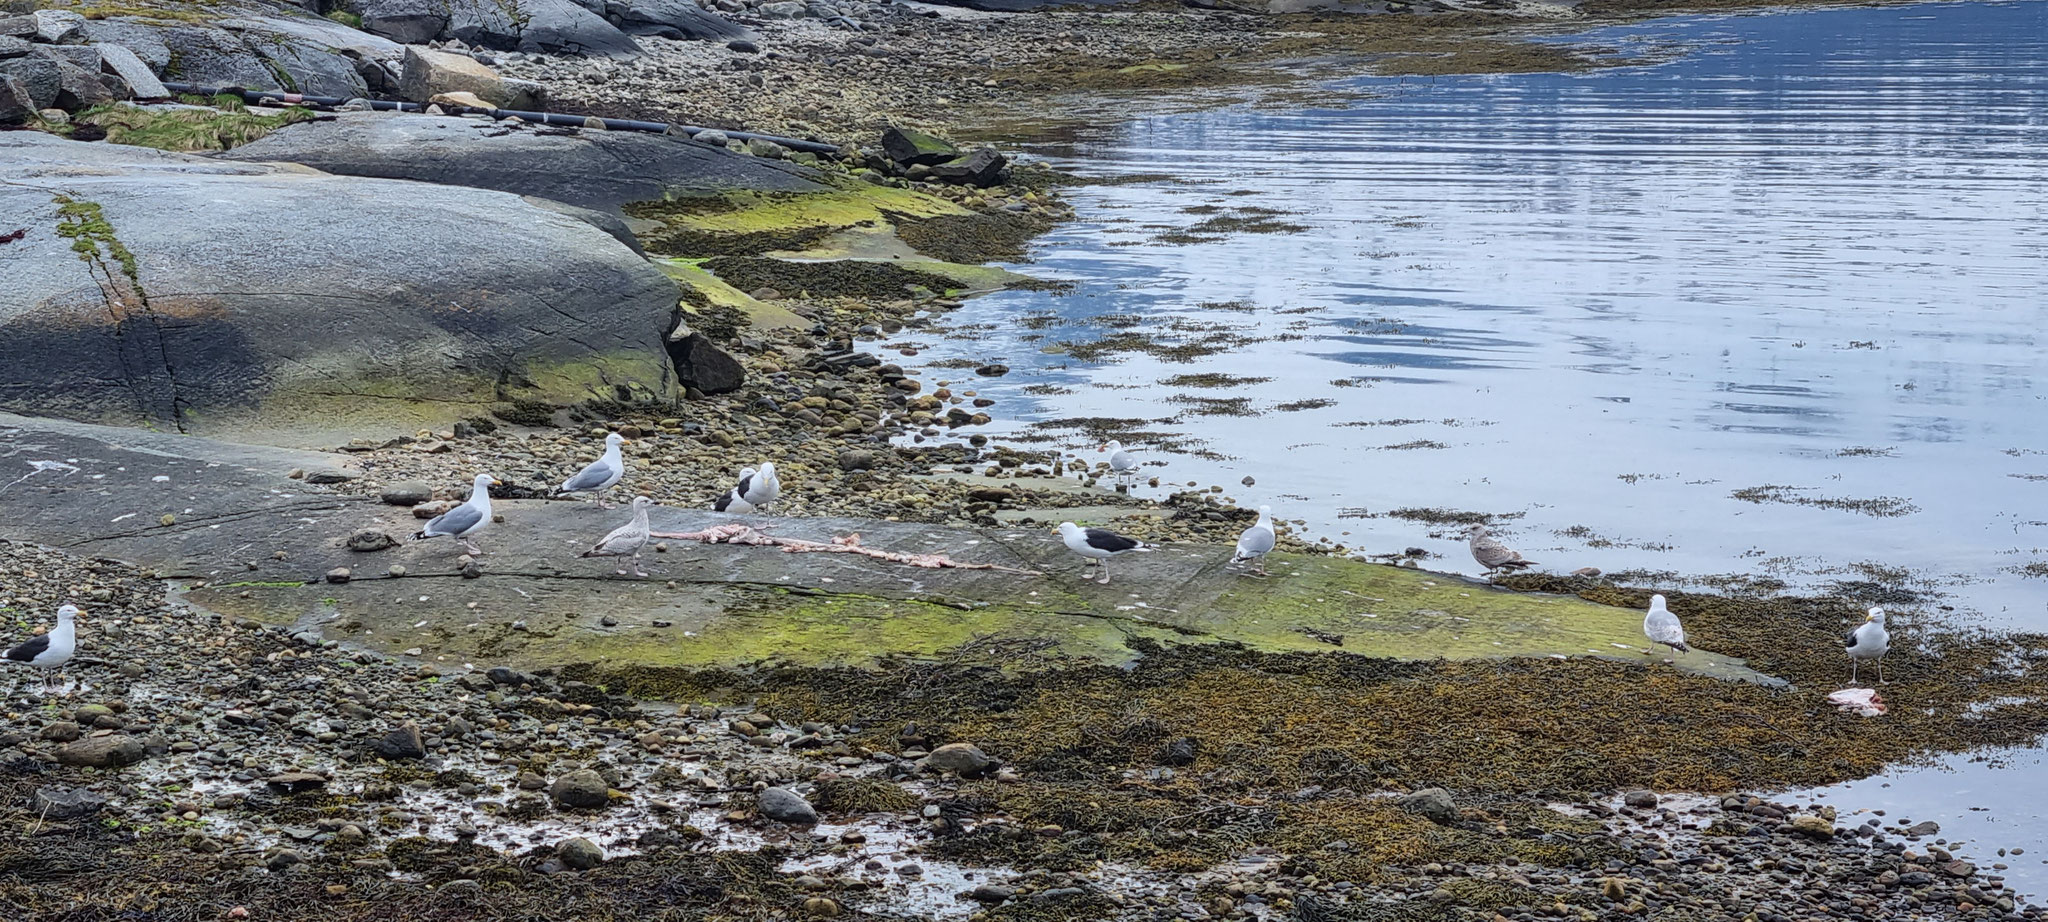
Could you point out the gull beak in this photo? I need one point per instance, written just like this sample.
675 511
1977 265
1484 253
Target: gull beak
496 482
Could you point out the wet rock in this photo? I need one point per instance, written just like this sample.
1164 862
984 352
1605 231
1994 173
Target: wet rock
580 853
1815 827
963 759
908 146
1640 799
856 459
1433 804
982 169
1923 828
61 803
990 893
786 806
582 789
295 782
993 370
278 859
62 731
111 751
401 743
406 493
505 676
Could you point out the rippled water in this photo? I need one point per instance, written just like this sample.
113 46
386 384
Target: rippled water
1803 253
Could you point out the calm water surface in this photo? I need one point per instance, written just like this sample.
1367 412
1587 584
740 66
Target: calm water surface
1805 254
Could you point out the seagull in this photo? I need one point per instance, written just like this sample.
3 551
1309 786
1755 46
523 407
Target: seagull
1121 462
464 520
627 539
1257 541
1492 554
1100 544
52 649
730 500
600 475
755 491
1661 626
1869 641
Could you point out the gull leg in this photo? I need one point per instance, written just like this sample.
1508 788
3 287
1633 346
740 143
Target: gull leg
1853 664
637 570
1105 571
472 549
1881 680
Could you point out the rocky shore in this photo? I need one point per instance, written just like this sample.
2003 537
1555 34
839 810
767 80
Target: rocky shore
269 722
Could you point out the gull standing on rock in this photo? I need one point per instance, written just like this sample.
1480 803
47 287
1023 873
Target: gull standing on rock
755 491
1661 626
50 650
600 475
627 539
1869 641
464 520
1100 544
1257 541
1492 554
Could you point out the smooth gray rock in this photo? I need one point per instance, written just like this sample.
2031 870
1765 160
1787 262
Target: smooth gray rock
592 169
786 806
409 22
62 803
675 19
1433 804
112 751
304 291
580 853
553 26
964 759
122 62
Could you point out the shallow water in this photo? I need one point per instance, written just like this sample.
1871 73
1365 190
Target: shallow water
1805 252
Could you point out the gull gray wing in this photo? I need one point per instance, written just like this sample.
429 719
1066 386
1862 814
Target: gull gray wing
596 476
456 522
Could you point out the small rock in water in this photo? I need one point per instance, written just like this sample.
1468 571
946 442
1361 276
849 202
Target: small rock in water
1644 799
295 782
786 806
963 759
582 789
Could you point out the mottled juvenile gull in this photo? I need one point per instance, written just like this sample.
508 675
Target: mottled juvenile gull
600 475
52 649
1661 626
1869 641
1492 554
627 539
1099 544
1257 541
464 520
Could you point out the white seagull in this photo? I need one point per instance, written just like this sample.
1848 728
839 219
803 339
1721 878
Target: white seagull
1257 541
1869 641
52 649
627 539
1100 544
599 476
1492 554
755 491
1661 626
1121 462
464 520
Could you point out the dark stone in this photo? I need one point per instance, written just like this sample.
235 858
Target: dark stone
786 806
1640 799
295 782
111 751
581 790
409 22
11 47
982 168
505 676
15 104
702 365
993 370
62 731
580 853
675 19
38 77
910 147
406 493
20 27
65 803
989 893
555 26
401 743
743 46
1177 752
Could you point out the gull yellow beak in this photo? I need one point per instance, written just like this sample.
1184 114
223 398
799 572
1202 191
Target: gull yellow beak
496 482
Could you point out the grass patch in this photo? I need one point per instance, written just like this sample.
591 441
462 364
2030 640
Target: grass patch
187 130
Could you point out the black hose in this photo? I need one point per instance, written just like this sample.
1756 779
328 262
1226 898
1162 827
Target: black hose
545 118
